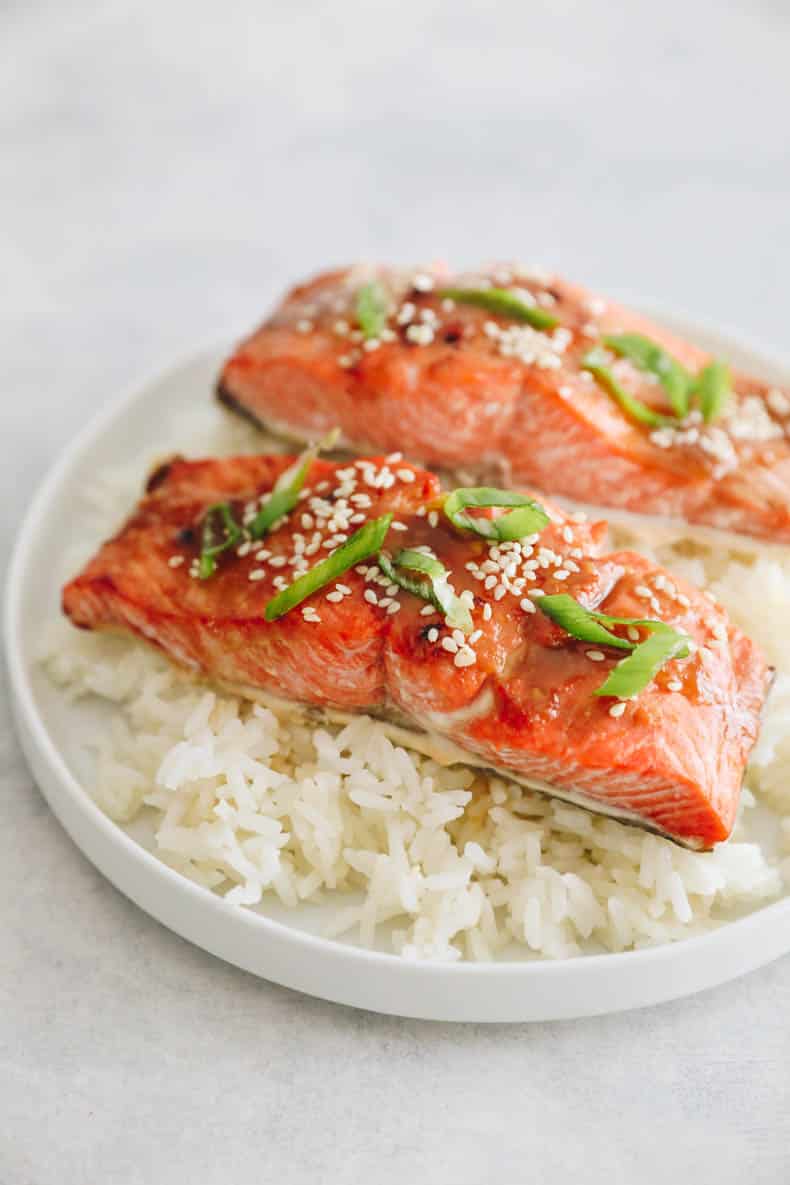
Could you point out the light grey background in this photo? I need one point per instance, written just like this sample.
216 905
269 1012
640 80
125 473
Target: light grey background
164 170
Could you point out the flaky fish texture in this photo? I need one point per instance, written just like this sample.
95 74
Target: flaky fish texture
516 692
464 389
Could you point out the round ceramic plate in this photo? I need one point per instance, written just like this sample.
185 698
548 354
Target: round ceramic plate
286 946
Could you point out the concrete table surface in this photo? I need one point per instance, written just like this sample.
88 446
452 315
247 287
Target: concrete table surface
165 169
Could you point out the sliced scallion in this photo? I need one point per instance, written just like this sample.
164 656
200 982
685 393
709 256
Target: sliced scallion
528 517
216 538
371 309
712 388
596 361
634 672
286 490
363 543
653 358
502 303
434 589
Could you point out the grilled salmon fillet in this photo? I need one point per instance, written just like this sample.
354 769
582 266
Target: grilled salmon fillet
516 693
474 391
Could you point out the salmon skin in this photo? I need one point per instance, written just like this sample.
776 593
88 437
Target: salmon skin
467 390
516 693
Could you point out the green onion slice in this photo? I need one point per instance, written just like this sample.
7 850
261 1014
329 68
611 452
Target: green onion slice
597 363
287 488
634 672
712 388
363 543
435 589
371 309
216 537
649 356
527 519
503 304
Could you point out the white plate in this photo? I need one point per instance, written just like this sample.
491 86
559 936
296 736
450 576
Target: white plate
282 948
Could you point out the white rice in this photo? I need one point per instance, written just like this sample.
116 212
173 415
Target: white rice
433 862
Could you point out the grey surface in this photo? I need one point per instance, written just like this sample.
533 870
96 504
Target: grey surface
164 170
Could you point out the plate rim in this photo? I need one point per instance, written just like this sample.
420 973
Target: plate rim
84 821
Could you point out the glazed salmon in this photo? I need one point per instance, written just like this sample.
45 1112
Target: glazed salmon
512 690
477 391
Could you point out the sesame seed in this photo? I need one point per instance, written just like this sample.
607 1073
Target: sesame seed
633 633
641 591
527 605
617 709
257 574
433 635
405 474
433 518
371 597
675 685
423 282
345 361
176 561
335 597
595 655
465 658
567 534
398 526
450 645
427 611
304 326
536 592
393 607
487 612
561 574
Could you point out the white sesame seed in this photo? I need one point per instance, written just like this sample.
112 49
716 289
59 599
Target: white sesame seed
393 607
487 612
371 597
527 605
633 633
345 361
536 592
257 574
335 597
617 709
450 645
433 518
398 526
675 685
406 475
595 655
423 282
641 591
561 574
433 635
304 326
427 611
465 658
176 561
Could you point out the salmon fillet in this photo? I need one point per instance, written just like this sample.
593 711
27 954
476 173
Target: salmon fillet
517 693
464 389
